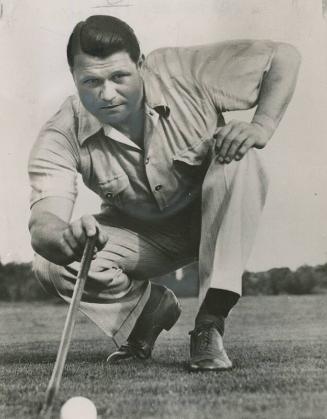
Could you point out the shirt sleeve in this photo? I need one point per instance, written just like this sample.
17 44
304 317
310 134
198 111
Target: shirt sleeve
52 167
229 74
232 72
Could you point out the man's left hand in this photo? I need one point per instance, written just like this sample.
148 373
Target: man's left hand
237 137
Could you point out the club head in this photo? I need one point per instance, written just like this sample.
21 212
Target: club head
44 411
45 407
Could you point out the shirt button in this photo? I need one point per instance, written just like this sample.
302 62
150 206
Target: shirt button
158 187
147 160
109 195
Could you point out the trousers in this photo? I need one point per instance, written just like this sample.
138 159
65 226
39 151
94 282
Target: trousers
219 234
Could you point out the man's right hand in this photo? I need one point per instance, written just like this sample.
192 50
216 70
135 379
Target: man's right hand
75 235
56 238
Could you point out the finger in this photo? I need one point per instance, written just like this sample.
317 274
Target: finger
221 134
226 129
78 232
102 238
95 253
231 136
235 146
244 148
89 225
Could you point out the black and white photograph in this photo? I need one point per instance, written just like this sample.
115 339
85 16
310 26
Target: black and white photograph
163 244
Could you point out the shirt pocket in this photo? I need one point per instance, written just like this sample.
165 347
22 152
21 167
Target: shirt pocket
111 190
191 163
196 154
190 166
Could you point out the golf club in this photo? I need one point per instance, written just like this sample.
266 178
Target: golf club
55 379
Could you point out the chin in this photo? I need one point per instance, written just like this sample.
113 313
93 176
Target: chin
115 120
112 119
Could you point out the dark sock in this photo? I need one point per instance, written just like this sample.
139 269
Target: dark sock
215 308
219 302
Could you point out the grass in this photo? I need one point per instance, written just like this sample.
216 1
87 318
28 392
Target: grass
278 345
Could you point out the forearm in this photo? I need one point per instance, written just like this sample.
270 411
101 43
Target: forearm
47 237
277 88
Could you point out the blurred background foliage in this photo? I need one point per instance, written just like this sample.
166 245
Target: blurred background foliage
18 283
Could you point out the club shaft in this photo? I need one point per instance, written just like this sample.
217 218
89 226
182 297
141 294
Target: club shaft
55 379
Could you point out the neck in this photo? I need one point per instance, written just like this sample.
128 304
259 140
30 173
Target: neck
133 127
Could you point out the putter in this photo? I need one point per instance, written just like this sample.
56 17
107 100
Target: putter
55 379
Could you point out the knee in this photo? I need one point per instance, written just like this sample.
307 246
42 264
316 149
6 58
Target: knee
247 177
111 279
251 169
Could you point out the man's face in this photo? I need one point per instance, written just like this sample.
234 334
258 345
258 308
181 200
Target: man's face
110 88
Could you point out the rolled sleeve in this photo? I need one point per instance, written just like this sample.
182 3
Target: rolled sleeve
52 167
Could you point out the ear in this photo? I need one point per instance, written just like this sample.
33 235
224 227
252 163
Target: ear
140 61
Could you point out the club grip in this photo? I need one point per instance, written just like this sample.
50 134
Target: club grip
88 255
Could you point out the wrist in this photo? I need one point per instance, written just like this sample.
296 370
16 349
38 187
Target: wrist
47 241
266 123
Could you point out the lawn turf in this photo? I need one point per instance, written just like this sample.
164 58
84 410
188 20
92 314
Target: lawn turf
278 345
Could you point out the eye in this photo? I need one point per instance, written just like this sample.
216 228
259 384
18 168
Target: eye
92 82
118 77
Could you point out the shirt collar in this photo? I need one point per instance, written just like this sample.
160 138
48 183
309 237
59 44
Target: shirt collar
88 124
154 99
118 136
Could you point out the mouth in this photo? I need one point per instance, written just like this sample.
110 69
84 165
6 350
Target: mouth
108 107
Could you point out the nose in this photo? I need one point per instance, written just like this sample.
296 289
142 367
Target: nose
108 91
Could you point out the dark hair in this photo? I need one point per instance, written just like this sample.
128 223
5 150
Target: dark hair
101 36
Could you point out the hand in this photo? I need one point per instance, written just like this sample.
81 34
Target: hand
237 137
76 233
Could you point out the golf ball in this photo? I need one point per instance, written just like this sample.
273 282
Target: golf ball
78 408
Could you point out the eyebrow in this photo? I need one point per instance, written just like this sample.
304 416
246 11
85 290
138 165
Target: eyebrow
90 75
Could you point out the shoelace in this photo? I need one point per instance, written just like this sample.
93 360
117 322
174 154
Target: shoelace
203 326
203 331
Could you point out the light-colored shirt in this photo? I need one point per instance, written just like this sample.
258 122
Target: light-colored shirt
186 92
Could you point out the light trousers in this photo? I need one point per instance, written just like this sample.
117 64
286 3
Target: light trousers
219 235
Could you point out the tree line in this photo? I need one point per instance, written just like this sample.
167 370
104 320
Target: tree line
18 283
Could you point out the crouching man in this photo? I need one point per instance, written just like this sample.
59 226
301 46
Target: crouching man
177 184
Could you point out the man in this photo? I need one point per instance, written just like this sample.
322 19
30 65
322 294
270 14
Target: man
177 184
